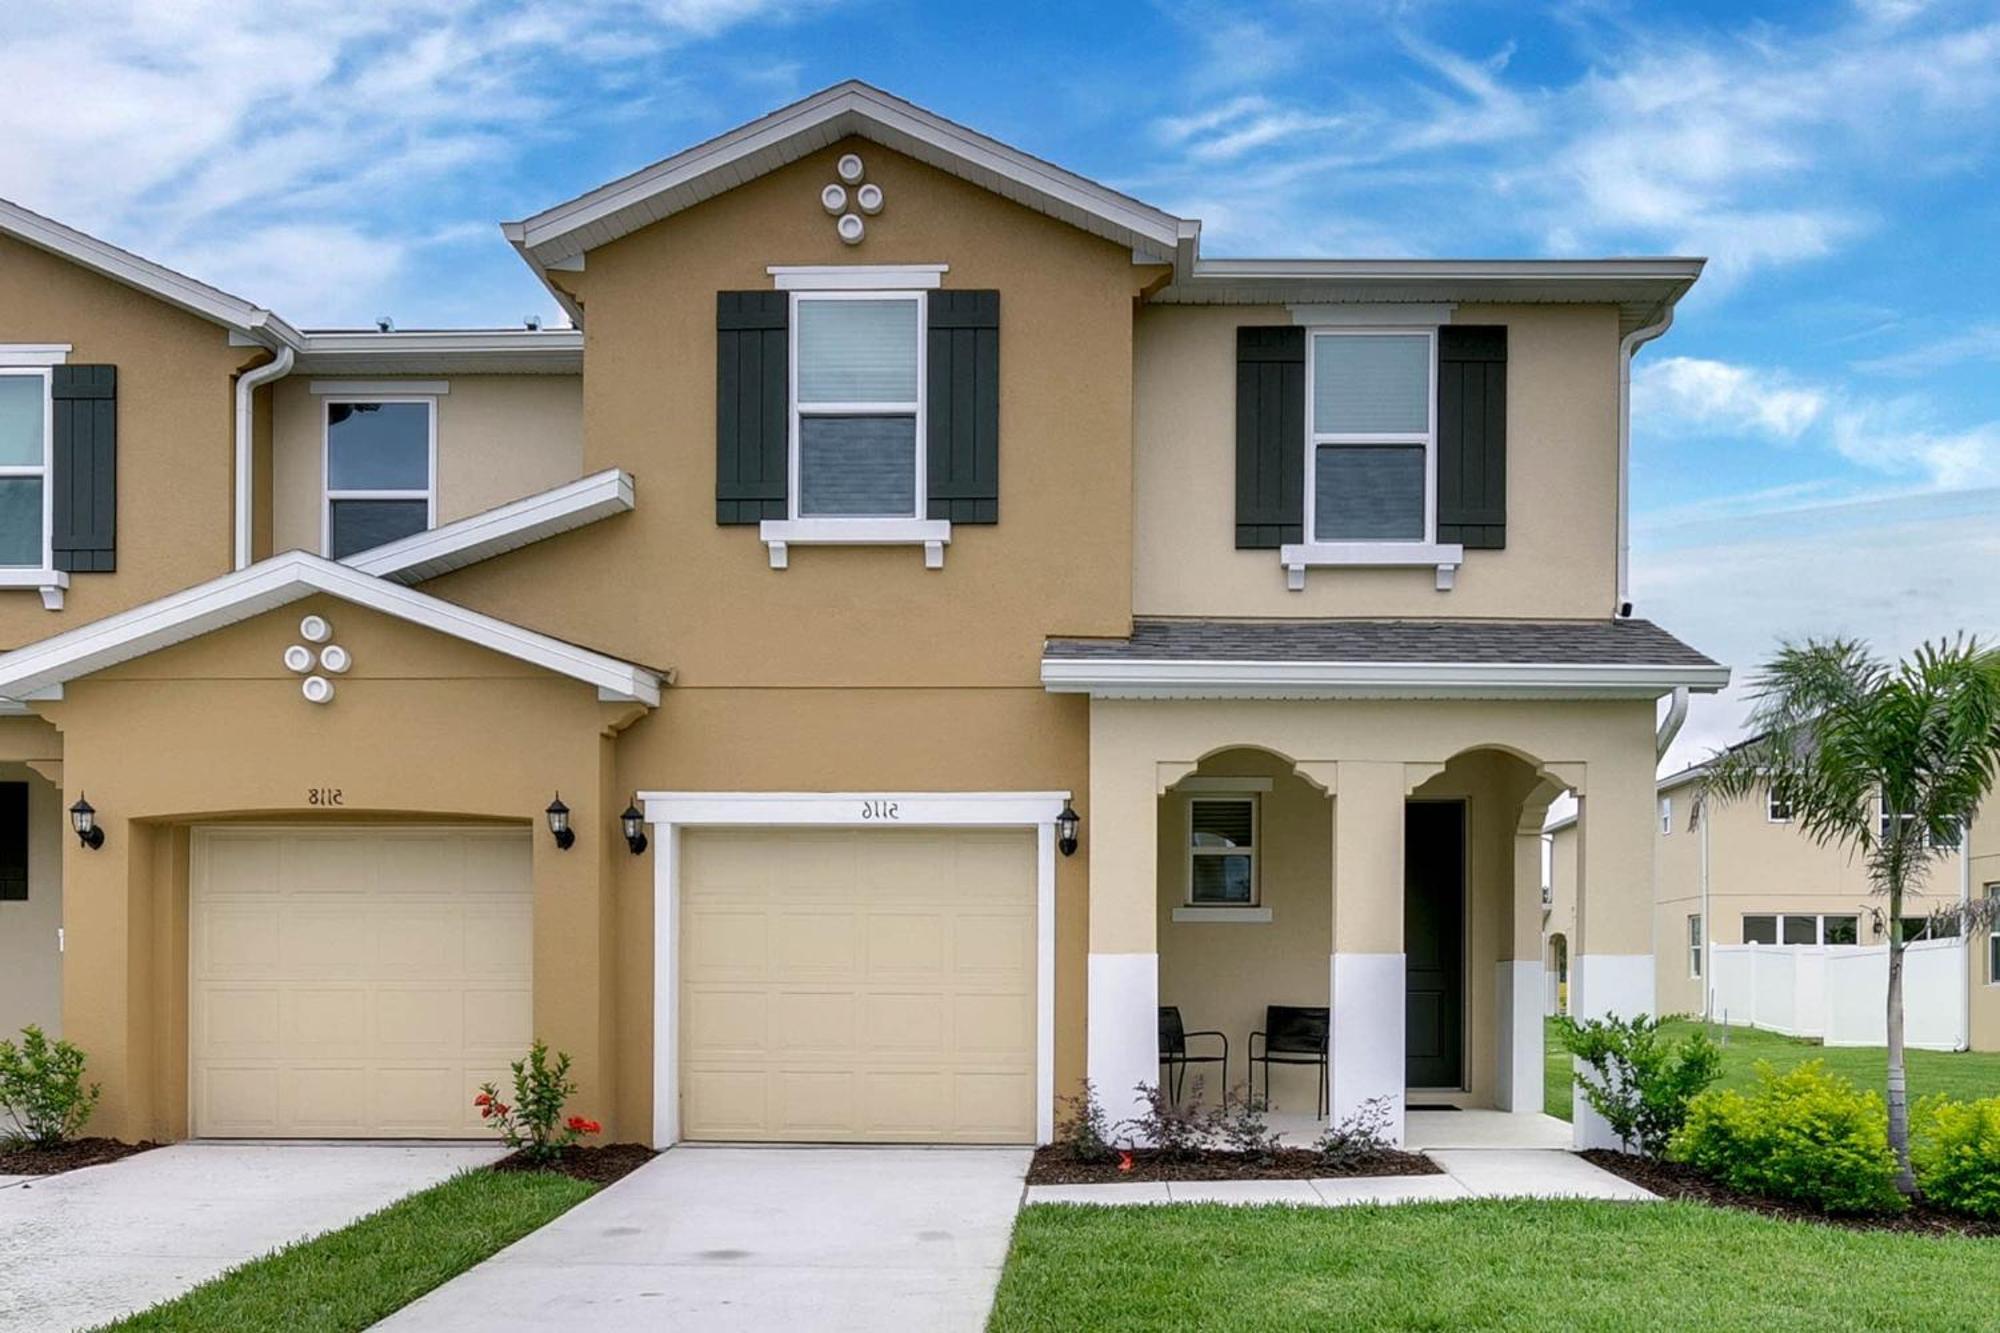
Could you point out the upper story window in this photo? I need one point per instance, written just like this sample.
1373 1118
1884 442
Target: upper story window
1777 811
1666 815
1371 465
26 438
857 438
381 471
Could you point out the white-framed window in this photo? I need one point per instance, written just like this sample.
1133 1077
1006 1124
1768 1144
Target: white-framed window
1911 929
857 409
379 461
1775 810
1993 936
1222 842
1694 946
1666 815
1371 455
1801 928
27 439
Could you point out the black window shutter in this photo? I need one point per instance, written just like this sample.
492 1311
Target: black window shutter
13 842
1472 435
1270 436
83 480
752 399
962 401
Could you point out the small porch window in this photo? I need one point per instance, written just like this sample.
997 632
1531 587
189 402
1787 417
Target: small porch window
1694 946
1222 851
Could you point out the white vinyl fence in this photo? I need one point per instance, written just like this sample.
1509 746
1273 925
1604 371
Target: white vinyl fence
1839 993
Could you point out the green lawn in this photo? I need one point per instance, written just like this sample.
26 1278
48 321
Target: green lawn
1966 1074
1487 1264
350 1278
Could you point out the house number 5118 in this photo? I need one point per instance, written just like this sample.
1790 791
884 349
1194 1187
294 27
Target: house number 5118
881 810
325 796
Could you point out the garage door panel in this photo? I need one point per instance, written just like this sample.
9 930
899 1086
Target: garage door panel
843 984
357 982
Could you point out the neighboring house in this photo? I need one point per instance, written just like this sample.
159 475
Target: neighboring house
1742 873
900 493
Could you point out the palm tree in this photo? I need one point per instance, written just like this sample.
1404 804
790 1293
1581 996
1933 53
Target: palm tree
1838 731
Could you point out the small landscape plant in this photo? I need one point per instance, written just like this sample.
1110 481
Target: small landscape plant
534 1124
1174 1132
1242 1124
1806 1134
1638 1080
1955 1148
1083 1130
1357 1136
42 1092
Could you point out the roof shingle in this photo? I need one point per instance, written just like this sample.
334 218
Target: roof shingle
1526 642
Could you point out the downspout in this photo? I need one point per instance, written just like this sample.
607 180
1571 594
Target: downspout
246 389
1670 727
1707 935
1627 346
1965 932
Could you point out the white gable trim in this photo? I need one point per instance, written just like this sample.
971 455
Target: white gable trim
851 108
288 578
465 541
175 289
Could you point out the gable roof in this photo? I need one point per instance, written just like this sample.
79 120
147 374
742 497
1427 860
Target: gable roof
847 109
176 289
280 581
461 542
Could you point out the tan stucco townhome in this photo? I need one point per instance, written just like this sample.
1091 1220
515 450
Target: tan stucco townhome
1742 873
895 494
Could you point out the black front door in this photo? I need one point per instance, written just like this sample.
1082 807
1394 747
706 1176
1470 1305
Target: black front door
1434 942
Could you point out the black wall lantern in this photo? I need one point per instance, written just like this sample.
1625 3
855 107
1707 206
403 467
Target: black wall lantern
558 813
83 818
635 828
1066 823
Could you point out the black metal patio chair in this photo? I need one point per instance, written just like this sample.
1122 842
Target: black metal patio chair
1174 1056
1292 1035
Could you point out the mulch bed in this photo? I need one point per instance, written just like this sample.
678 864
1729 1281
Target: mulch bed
66 1156
599 1166
1051 1166
1674 1180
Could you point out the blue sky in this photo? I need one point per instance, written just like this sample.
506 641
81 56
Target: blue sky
1817 443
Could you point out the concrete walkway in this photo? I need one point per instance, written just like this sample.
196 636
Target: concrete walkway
797 1240
88 1246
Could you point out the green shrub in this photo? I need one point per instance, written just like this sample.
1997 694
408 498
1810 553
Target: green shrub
1639 1082
1806 1135
1083 1129
534 1125
41 1090
1955 1148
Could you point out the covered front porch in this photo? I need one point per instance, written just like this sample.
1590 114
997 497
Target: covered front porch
1372 865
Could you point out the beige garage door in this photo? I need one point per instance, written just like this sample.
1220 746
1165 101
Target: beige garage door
355 982
858 985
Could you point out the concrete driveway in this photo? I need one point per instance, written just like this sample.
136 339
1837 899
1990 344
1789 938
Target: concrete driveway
791 1239
89 1246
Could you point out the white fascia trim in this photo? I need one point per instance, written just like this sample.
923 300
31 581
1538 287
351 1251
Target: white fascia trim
1361 680
779 534
886 809
176 289
1670 267
625 205
34 354
435 342
284 579
857 277
417 388
465 541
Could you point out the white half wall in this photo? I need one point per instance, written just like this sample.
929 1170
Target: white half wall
1123 1045
1602 985
1368 1055
1518 1013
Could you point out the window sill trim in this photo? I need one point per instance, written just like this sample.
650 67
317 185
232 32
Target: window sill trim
1223 915
932 534
1445 556
51 583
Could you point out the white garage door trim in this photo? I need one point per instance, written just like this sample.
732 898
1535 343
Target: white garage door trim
671 811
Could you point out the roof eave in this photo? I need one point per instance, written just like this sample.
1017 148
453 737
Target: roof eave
1100 678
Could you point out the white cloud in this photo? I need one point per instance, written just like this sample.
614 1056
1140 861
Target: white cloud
1981 342
1685 391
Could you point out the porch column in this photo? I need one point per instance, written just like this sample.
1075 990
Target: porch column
1122 1046
1520 976
1612 956
1367 1056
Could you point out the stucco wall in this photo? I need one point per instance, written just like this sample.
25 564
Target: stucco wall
499 437
175 443
1562 478
30 965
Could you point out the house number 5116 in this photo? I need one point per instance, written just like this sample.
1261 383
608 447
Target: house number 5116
881 810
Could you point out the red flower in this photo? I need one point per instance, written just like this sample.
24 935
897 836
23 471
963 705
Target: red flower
1124 1161
578 1125
483 1099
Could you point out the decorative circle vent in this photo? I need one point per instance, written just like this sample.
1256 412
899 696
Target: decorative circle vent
330 657
833 197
